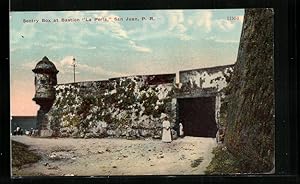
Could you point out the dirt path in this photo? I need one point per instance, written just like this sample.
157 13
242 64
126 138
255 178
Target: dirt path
67 156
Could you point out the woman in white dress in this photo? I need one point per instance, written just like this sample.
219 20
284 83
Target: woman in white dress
166 134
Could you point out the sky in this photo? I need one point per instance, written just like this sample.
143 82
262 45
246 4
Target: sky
151 42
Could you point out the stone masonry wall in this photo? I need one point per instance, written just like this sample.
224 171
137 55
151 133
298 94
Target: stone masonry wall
127 107
130 107
248 109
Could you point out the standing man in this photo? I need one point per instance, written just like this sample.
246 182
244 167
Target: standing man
166 134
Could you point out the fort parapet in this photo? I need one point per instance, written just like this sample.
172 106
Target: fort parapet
133 107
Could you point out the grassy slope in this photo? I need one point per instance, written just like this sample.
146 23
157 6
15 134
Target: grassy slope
21 155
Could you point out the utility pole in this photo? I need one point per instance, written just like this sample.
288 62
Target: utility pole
74 65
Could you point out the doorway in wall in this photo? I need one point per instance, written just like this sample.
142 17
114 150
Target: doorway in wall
197 116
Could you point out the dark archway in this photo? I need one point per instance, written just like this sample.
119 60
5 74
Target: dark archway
197 116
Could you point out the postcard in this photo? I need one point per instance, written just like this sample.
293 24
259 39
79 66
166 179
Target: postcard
142 92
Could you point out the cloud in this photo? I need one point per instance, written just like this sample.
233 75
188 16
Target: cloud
227 41
184 37
56 46
65 66
138 48
99 71
213 38
148 68
19 39
153 35
224 25
28 31
62 65
202 19
29 65
176 19
67 61
114 28
168 23
228 25
60 35
82 34
117 30
163 67
177 25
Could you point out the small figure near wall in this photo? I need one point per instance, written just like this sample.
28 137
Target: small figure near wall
220 135
166 134
18 130
181 133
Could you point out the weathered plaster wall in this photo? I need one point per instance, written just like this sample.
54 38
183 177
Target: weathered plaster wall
214 77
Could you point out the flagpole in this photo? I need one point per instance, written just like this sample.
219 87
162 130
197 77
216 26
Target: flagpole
74 65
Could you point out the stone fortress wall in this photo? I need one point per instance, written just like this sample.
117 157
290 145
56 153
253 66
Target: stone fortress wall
130 107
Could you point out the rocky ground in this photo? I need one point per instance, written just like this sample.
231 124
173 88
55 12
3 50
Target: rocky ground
79 157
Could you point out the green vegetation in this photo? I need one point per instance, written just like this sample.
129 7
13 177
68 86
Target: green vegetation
21 155
197 162
73 120
223 162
